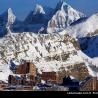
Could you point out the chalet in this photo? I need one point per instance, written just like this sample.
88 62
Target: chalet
24 68
53 77
24 74
89 84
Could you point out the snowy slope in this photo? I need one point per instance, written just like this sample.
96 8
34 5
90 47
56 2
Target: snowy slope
49 52
4 73
89 46
90 64
85 28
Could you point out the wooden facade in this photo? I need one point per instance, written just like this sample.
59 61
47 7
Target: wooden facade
22 69
89 84
53 77
32 70
27 72
26 68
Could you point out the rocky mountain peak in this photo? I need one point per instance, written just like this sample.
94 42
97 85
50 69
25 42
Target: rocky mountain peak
39 9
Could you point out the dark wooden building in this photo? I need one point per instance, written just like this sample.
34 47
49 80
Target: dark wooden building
24 74
25 68
14 80
53 77
22 80
89 84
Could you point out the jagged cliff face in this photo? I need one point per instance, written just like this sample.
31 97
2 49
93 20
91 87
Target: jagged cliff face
53 19
7 18
63 16
38 46
49 52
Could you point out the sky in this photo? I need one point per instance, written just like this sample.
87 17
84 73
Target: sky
21 8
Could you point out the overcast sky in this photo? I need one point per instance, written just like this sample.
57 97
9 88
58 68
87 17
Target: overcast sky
21 8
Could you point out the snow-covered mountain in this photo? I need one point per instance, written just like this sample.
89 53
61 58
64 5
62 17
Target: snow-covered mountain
38 18
52 20
7 18
49 52
84 28
63 16
42 19
89 46
40 15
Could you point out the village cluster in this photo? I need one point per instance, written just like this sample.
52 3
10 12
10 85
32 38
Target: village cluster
26 78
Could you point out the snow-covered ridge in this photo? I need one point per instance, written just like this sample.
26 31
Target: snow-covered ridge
85 28
52 20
